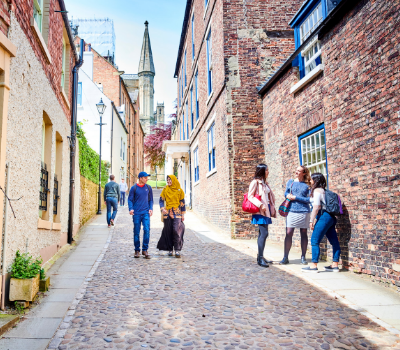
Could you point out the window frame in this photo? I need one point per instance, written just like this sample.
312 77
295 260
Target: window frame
197 95
185 63
80 92
209 62
193 43
196 165
306 136
191 107
187 119
39 10
211 150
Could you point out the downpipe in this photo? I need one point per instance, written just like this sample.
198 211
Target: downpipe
75 79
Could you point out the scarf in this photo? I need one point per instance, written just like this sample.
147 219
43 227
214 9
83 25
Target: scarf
172 194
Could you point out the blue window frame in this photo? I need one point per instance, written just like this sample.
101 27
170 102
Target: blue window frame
183 125
79 94
211 147
197 95
304 24
312 150
209 63
196 164
179 92
191 107
185 71
180 131
187 121
193 45
205 3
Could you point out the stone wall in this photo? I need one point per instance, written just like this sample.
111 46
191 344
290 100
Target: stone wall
357 98
89 200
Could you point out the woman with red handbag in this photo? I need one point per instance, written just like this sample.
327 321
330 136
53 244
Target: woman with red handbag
261 195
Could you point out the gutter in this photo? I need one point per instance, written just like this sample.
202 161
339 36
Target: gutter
337 14
72 140
68 28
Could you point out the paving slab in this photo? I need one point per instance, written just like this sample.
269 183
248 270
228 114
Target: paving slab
71 283
50 309
62 294
35 328
23 344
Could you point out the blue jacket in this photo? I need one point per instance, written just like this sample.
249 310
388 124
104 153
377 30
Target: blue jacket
302 192
141 200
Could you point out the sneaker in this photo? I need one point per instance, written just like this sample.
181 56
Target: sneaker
331 269
112 222
109 226
177 255
146 254
308 269
170 254
137 254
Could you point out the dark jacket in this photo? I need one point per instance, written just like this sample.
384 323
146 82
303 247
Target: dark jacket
112 190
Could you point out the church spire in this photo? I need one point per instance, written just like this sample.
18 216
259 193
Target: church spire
146 63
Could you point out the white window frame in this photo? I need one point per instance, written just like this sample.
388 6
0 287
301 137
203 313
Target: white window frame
310 54
212 168
313 152
196 165
209 61
38 13
193 38
311 23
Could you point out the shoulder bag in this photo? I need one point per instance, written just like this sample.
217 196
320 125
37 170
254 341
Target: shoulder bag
249 207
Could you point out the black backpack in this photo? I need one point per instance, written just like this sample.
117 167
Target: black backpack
333 204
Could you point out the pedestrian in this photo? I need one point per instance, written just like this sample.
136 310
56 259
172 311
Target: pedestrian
322 224
140 202
173 209
298 192
123 187
259 186
111 198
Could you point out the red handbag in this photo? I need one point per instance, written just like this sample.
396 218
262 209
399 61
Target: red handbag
249 207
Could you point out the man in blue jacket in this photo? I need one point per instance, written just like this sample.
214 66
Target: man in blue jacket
140 202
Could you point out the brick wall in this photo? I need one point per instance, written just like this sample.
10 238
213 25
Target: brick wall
357 99
4 17
23 11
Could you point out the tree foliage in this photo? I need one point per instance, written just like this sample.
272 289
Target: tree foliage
89 161
154 155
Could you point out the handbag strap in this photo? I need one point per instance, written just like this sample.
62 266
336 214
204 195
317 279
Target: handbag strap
291 186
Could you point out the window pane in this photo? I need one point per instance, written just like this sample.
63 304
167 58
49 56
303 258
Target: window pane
308 158
323 154
304 159
322 139
317 140
318 155
312 143
303 146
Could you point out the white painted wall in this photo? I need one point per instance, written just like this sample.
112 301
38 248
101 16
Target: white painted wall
119 152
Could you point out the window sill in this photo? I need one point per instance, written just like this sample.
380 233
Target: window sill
44 224
209 97
65 97
212 172
57 226
196 183
40 38
307 79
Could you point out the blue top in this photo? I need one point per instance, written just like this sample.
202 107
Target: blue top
141 201
302 192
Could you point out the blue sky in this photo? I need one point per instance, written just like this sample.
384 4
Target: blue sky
165 19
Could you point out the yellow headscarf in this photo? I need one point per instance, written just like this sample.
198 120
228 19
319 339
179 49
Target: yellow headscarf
173 194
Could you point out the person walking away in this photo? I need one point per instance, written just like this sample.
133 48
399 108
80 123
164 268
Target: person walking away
140 202
322 224
123 188
298 192
111 198
259 186
173 209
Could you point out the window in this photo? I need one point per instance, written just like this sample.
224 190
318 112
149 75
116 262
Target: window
120 152
185 71
179 92
191 107
183 125
197 95
64 59
196 164
209 63
312 53
123 151
313 150
193 47
211 147
38 13
79 94
206 3
187 121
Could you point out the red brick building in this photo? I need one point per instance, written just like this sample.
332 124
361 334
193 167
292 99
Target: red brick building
334 106
227 48
116 89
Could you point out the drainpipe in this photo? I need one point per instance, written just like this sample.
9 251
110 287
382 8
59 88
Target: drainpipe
75 79
4 263
112 134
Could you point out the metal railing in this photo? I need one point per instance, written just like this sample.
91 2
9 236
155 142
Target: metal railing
44 187
55 195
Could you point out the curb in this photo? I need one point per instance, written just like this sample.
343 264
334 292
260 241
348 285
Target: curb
66 322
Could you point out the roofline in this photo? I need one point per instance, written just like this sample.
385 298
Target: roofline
336 15
68 28
303 5
183 35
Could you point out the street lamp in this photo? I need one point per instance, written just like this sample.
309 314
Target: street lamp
100 108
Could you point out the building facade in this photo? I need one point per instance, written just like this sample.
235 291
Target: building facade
38 54
226 50
334 106
114 141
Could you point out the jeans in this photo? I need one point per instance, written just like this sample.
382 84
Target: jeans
111 202
325 226
122 200
138 220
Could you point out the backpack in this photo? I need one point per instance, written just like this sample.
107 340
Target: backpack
333 204
134 191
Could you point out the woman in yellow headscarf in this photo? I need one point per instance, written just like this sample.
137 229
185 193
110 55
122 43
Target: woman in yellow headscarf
173 209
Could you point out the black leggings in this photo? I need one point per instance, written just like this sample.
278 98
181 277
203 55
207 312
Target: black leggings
262 237
289 237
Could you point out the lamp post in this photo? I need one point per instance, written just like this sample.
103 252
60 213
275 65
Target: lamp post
100 108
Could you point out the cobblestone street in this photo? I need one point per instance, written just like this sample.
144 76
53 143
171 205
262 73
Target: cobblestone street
215 297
